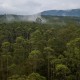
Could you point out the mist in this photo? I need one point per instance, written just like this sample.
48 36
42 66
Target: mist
28 18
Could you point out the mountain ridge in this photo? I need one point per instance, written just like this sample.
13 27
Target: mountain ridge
55 13
70 12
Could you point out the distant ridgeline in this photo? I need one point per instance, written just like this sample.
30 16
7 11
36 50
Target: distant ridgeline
45 16
73 12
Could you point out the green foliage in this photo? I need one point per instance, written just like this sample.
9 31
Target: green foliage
35 54
6 46
62 71
35 76
17 77
29 50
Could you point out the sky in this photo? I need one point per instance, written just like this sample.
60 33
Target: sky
28 7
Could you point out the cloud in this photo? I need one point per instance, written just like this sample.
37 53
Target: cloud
34 6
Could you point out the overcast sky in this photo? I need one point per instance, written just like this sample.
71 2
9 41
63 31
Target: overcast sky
35 6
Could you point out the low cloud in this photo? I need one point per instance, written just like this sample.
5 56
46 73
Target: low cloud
28 7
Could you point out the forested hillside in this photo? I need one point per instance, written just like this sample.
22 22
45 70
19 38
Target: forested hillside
35 51
69 12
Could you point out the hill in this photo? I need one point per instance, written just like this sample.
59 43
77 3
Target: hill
73 12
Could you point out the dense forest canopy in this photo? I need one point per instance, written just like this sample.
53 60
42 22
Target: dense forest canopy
35 51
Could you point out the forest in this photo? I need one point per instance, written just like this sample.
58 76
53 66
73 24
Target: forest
40 51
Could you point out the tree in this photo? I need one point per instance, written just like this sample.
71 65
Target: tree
61 72
19 50
37 40
6 47
73 56
6 59
48 52
35 76
39 20
17 77
35 58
